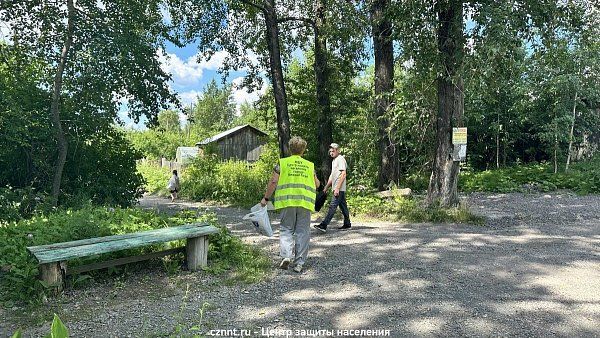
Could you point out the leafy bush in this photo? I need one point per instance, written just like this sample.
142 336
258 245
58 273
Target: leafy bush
155 144
155 178
102 170
228 253
407 209
234 182
20 270
16 204
418 181
583 178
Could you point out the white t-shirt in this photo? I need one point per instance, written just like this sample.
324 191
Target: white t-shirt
173 183
337 166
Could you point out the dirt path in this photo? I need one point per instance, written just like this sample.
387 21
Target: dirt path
534 270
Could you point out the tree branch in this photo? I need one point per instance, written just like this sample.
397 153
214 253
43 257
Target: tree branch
255 5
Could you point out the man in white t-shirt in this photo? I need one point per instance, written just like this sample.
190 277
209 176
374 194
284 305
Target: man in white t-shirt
337 180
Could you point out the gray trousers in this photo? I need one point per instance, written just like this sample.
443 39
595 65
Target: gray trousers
295 222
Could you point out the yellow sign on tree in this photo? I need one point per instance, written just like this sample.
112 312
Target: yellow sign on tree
459 135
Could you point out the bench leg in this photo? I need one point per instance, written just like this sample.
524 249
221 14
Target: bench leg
53 275
196 251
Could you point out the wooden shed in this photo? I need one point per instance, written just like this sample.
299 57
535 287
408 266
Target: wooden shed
243 143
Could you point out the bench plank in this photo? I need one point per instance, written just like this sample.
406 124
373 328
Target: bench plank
122 261
94 246
108 238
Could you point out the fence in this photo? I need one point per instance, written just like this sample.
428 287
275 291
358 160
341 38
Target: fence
164 163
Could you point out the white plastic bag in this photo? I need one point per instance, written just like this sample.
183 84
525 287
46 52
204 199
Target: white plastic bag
260 218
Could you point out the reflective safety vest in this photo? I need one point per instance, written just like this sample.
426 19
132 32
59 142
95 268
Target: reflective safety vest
296 185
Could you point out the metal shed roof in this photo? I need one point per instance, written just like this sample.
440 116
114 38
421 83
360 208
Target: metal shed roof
227 133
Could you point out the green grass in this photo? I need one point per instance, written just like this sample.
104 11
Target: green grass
209 179
240 261
156 178
582 178
19 283
408 209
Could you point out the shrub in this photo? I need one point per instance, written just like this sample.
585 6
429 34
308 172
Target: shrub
155 178
228 253
102 170
583 178
407 209
235 182
20 269
16 204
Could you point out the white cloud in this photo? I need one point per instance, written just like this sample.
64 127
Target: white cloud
189 97
188 72
241 95
215 62
252 57
185 73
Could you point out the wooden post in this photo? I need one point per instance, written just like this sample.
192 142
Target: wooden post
196 251
52 274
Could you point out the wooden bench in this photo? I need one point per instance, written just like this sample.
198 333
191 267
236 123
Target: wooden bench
52 258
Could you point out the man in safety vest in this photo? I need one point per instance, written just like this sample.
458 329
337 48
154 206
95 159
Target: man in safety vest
294 182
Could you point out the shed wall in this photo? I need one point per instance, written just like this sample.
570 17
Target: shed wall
245 145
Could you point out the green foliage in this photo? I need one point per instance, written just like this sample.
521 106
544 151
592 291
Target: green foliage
155 178
110 59
21 270
235 182
16 204
156 143
102 170
417 181
400 208
100 163
260 114
57 330
228 253
583 178
168 121
213 113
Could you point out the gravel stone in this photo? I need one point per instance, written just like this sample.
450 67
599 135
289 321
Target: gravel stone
532 270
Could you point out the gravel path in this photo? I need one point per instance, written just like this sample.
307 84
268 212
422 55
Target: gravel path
533 270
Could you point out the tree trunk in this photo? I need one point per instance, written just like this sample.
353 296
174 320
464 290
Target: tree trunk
324 129
55 106
571 134
383 45
444 177
281 108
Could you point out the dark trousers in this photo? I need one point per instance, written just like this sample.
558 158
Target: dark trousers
335 201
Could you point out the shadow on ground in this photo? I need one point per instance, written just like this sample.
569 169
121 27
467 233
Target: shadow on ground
536 275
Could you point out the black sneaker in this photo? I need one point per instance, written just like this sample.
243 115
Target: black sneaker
320 227
345 227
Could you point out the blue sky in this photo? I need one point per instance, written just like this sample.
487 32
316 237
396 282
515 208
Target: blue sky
189 77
